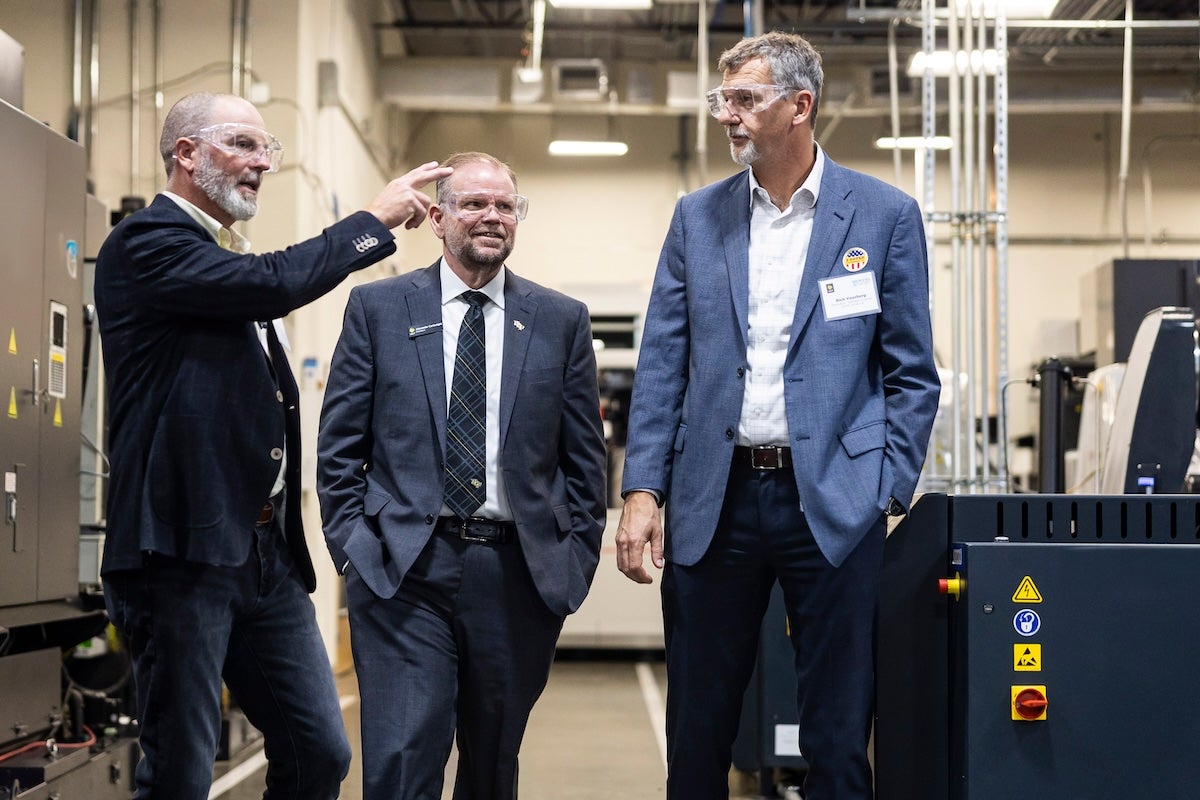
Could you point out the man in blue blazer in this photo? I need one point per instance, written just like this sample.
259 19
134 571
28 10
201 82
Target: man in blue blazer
206 571
461 562
783 399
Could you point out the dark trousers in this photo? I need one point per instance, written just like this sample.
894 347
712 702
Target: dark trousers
466 642
188 626
713 614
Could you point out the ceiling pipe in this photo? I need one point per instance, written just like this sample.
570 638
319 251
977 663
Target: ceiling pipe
702 86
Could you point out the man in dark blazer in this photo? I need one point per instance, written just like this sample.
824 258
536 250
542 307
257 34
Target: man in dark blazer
783 399
206 571
456 602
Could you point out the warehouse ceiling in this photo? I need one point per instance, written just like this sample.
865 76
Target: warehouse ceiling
839 28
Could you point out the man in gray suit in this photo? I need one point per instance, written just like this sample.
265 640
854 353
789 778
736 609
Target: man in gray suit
784 396
462 485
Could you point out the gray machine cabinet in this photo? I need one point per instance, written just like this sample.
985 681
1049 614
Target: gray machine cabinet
41 235
1101 630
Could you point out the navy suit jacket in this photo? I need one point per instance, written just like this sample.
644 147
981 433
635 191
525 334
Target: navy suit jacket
383 431
860 393
197 421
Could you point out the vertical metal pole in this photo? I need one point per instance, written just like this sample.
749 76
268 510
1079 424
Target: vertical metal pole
135 99
1001 156
981 204
971 228
1126 110
962 478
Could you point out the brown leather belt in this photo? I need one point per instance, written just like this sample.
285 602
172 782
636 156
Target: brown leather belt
763 457
266 514
477 529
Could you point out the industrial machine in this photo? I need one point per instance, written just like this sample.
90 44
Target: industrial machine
60 733
1039 647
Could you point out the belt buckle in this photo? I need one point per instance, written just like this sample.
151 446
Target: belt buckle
469 537
766 457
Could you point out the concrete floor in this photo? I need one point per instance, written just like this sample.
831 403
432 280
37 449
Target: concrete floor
595 734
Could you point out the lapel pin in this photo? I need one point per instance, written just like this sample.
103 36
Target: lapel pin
518 324
855 259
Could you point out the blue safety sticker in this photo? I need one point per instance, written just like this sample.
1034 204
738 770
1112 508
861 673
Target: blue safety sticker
1027 622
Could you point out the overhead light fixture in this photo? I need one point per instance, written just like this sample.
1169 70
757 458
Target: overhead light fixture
631 5
579 147
914 143
941 61
1013 9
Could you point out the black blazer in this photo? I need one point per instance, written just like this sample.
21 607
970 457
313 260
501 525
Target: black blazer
196 418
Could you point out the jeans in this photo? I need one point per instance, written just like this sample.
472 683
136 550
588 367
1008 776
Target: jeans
190 625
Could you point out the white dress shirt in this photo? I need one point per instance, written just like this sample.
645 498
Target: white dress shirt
778 249
454 308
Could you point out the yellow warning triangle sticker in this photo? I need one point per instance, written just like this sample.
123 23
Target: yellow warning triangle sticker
1026 592
1027 658
58 413
12 341
12 403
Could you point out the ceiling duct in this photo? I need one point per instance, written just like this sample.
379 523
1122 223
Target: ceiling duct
579 79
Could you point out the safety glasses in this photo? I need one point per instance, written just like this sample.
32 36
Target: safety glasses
748 99
473 206
244 141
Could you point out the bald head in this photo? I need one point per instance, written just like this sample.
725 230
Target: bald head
199 110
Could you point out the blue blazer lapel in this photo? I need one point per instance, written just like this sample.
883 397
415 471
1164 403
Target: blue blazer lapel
735 234
830 224
425 308
520 312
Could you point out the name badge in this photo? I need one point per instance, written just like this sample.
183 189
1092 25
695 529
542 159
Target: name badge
421 330
849 296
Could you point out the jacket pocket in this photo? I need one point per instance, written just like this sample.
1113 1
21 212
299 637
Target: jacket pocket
864 438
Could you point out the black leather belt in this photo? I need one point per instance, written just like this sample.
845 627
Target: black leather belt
763 456
477 529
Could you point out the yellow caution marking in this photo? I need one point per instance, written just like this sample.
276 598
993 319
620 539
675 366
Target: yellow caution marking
12 341
1026 592
58 413
12 403
1027 657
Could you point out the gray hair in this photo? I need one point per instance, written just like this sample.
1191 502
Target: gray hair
793 61
188 115
458 159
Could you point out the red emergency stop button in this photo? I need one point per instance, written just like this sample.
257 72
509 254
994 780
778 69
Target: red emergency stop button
1029 703
951 586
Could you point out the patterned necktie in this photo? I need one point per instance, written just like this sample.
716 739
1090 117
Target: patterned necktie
466 422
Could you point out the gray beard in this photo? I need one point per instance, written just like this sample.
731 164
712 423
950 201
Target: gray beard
222 190
748 155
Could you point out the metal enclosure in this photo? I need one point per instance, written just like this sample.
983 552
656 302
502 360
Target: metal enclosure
41 235
1119 293
1119 632
1105 632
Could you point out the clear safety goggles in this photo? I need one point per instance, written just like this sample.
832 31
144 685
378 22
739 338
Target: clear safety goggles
748 99
473 206
244 141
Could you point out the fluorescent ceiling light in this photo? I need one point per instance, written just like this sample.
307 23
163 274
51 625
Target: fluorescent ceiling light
1013 9
569 147
601 4
913 142
940 62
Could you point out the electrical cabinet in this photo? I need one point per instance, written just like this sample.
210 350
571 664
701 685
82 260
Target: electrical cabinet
41 238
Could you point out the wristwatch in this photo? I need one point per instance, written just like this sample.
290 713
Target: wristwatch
894 509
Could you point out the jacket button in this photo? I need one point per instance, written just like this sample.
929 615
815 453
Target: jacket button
279 395
429 519
741 371
276 454
729 433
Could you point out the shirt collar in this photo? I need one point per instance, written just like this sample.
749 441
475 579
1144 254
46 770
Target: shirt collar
453 286
226 237
810 188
